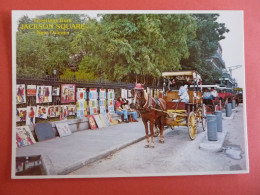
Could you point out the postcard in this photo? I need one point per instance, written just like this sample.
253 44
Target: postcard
139 93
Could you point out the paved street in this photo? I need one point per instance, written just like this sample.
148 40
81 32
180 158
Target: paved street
179 155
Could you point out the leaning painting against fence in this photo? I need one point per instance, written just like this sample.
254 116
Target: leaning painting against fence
91 84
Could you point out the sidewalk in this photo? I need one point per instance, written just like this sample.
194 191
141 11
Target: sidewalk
63 155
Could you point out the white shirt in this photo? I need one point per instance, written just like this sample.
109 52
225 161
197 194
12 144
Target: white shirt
214 93
184 96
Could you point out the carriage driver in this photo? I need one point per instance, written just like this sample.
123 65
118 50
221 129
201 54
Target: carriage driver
183 93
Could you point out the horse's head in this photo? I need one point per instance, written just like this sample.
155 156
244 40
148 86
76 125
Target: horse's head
139 98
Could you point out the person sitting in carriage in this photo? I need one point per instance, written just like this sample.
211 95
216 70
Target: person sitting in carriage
207 96
120 110
183 93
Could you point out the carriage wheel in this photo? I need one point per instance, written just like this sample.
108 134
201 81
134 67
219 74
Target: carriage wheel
204 119
192 125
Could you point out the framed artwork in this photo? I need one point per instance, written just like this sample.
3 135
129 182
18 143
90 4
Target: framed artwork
102 102
24 136
44 94
31 90
111 109
93 110
30 117
63 129
106 120
53 111
20 94
71 110
63 112
92 122
21 114
41 112
98 121
81 94
93 93
56 91
80 113
93 103
110 94
102 120
102 94
68 93
102 110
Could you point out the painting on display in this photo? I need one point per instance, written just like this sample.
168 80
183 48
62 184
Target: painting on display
92 122
93 103
20 94
21 114
98 121
102 94
71 110
41 112
93 110
110 102
110 94
56 91
102 102
24 136
53 111
31 112
93 93
81 104
44 94
63 112
68 93
63 129
31 90
102 110
81 94
111 109
106 120
102 119
80 113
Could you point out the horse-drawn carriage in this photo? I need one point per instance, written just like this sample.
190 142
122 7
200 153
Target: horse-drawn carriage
181 113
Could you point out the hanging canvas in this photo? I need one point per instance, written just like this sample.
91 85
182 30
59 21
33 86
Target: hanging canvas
63 112
93 110
102 94
93 93
24 136
41 112
63 129
21 114
81 104
55 91
102 102
102 119
30 116
110 102
53 111
110 94
106 120
98 121
20 94
111 109
93 103
80 113
102 110
92 122
81 94
31 90
68 93
71 110
44 94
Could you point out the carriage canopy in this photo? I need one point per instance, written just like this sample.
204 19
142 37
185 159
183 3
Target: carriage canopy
188 76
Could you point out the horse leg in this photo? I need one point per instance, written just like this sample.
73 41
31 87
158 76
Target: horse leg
161 126
146 131
152 134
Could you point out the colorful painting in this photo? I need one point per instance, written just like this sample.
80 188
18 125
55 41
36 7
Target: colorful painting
98 121
92 103
24 136
80 113
110 94
106 120
93 93
71 110
81 104
102 110
55 91
111 109
68 93
31 90
21 114
81 94
20 94
63 129
44 94
102 94
102 102
63 112
92 122
110 102
53 111
93 110
31 112
41 112
102 119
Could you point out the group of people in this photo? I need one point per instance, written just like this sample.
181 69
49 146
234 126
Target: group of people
210 95
123 108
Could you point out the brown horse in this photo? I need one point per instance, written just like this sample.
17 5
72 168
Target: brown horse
151 109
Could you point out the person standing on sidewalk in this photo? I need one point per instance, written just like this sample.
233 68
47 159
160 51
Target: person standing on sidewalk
119 110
